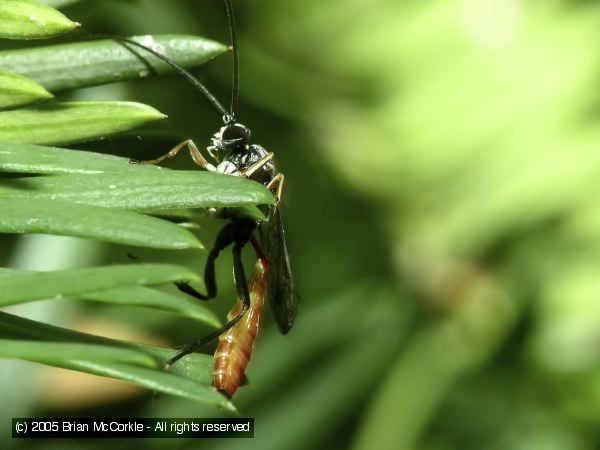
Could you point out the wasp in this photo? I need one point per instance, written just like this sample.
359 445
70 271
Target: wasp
232 153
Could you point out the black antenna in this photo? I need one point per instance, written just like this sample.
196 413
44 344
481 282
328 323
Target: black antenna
234 48
180 70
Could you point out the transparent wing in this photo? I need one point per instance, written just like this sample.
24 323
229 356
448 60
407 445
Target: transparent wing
280 289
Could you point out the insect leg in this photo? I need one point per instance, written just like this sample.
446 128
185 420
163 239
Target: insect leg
276 186
239 274
224 238
197 156
242 289
257 165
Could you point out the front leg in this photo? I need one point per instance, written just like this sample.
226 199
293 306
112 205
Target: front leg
197 156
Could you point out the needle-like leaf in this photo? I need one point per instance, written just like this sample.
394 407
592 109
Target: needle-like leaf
139 364
142 190
16 90
103 224
85 121
21 286
90 63
28 19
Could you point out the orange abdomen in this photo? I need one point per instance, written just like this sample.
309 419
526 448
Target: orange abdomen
235 345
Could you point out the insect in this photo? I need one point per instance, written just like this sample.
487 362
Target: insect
234 154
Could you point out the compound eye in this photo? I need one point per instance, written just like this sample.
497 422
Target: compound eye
236 131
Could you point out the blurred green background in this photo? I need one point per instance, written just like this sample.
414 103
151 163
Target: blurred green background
442 163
